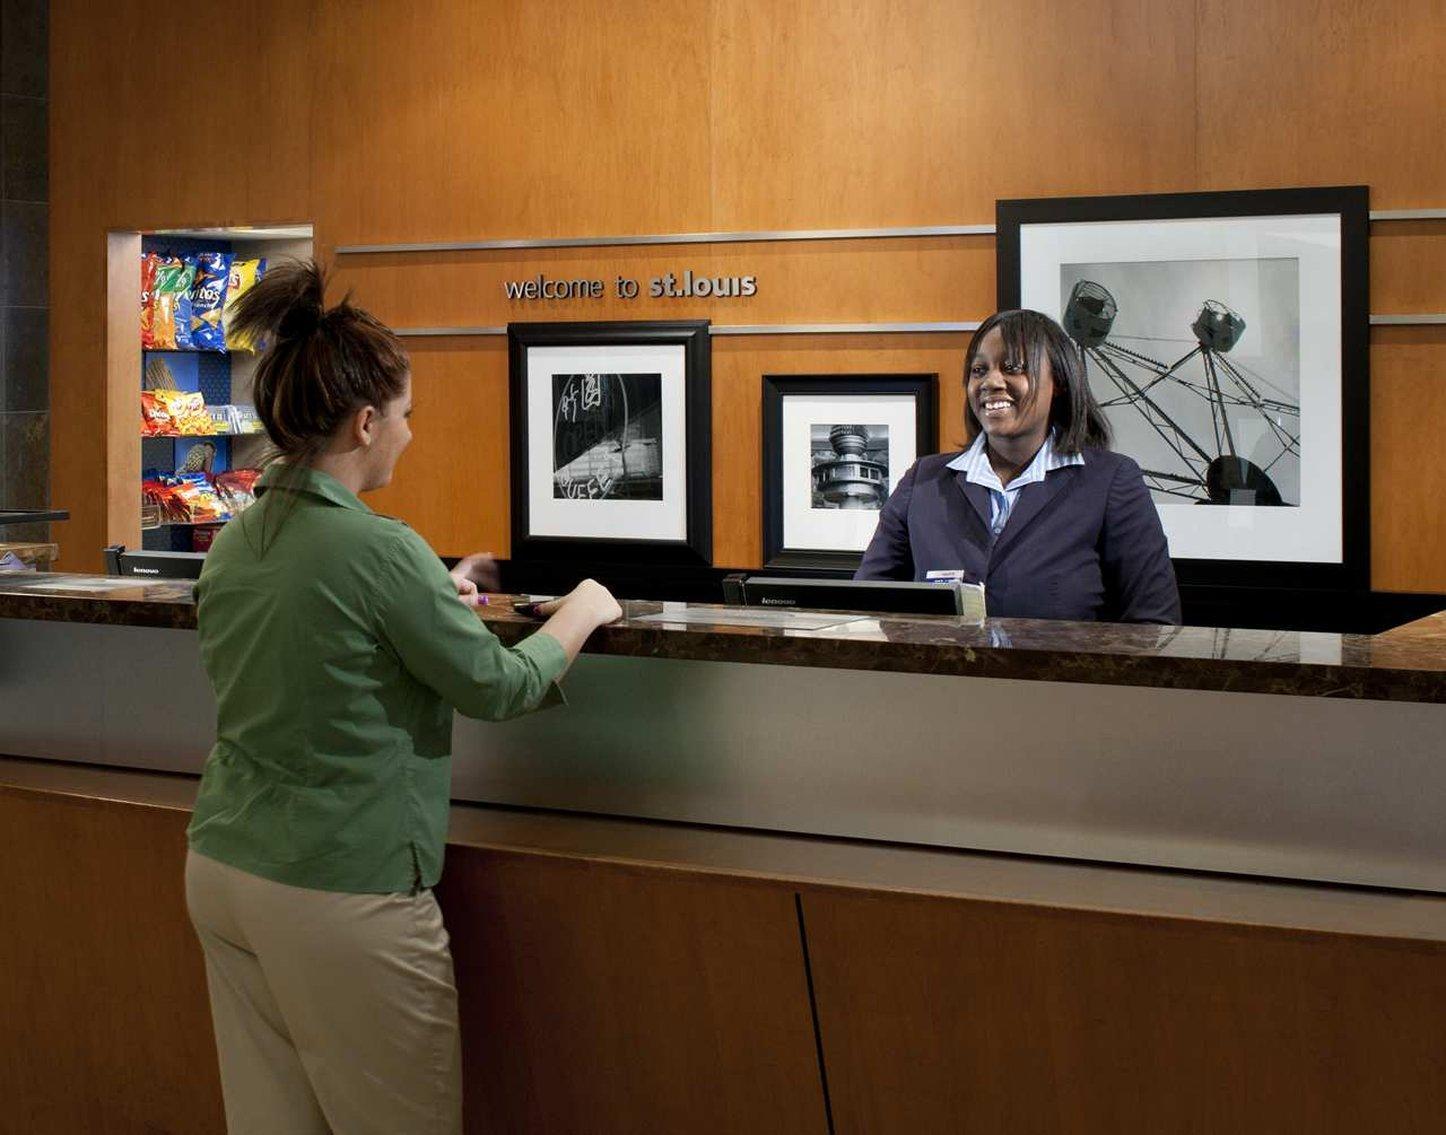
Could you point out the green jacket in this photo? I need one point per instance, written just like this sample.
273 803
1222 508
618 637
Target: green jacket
337 648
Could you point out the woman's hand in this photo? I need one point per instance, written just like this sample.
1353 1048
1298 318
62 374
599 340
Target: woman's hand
589 599
577 614
474 573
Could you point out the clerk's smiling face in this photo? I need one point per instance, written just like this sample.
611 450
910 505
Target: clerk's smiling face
999 395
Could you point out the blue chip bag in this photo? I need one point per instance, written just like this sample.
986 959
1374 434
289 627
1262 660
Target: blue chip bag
208 300
183 302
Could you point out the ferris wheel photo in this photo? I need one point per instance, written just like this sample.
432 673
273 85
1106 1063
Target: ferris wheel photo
1197 367
1225 336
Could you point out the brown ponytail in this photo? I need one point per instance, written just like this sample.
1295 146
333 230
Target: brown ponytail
321 365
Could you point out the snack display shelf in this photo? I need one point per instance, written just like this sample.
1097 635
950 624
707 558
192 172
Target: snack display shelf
203 378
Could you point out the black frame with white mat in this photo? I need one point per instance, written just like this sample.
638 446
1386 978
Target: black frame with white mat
594 477
1226 336
822 495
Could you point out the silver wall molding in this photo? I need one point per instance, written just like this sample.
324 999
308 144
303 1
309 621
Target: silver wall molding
744 329
1420 320
775 236
763 237
785 235
844 328
437 332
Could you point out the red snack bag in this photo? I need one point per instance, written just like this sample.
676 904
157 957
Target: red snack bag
156 419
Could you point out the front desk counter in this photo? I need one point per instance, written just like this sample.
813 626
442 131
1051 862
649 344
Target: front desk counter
837 873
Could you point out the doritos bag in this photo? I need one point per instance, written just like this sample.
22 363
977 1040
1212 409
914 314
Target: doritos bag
244 274
149 263
183 302
171 325
155 417
208 300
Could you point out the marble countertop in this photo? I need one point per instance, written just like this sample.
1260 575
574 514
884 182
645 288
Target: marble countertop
1404 664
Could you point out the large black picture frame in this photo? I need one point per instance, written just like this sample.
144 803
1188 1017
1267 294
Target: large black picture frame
1023 274
923 388
694 546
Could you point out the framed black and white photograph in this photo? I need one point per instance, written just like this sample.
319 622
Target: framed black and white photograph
834 448
611 441
1225 337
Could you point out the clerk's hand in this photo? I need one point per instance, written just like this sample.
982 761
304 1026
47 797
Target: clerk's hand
474 573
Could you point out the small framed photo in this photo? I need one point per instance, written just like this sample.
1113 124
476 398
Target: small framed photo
611 441
834 448
1225 337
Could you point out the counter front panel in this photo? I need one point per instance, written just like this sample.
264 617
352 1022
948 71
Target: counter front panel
894 730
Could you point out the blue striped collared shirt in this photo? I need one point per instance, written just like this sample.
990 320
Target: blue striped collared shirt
974 464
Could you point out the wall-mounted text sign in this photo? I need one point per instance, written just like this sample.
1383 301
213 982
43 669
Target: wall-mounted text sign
667 286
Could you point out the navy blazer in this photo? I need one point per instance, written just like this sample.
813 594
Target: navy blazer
1084 543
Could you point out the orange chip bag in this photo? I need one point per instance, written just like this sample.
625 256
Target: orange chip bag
149 263
155 418
187 409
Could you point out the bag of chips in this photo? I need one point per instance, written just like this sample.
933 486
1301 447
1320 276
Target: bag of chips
244 274
183 302
187 410
171 324
208 300
149 263
155 418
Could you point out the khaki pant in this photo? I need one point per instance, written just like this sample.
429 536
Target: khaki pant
334 1013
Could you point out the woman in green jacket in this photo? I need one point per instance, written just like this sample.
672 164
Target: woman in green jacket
338 646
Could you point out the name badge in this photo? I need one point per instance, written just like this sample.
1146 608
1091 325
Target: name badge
956 576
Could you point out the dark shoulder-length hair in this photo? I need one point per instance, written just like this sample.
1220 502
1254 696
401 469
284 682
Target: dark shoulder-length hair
1032 339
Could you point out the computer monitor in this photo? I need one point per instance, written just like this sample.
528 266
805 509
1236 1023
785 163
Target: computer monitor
153 565
872 595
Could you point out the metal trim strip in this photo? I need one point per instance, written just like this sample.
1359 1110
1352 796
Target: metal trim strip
1408 214
743 329
670 238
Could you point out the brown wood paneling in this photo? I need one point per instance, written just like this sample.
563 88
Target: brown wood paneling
739 365
456 119
451 483
1408 487
606 999
103 992
855 114
157 136
1322 92
389 122
842 281
605 996
942 1016
147 132
1408 267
